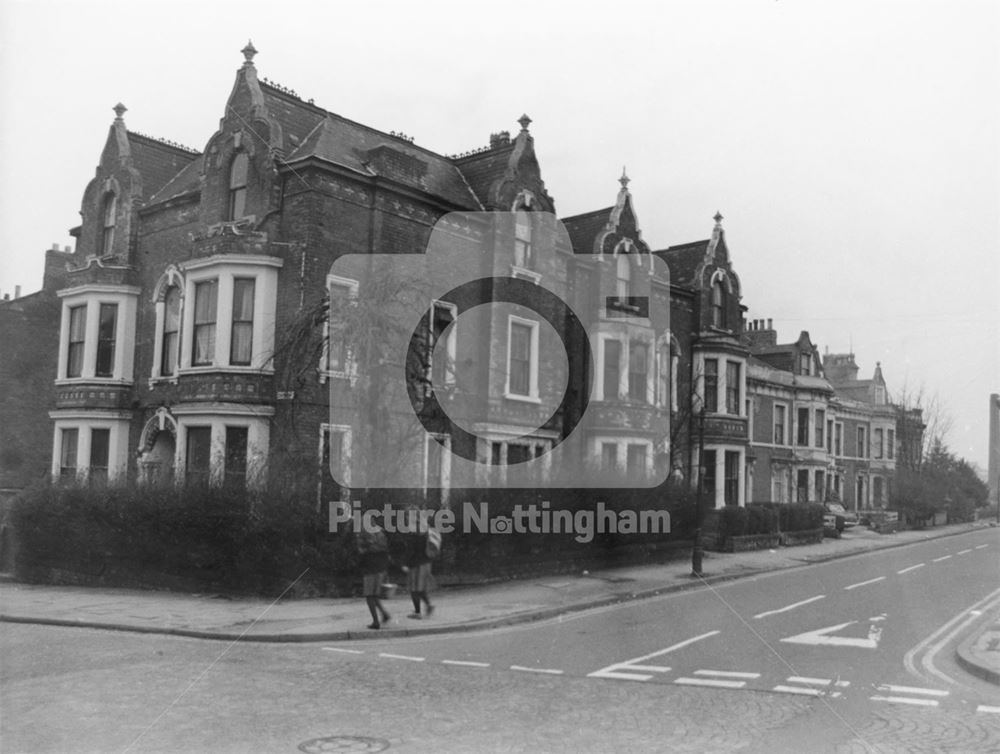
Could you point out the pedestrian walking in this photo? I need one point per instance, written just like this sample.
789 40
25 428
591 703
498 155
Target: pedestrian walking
373 547
422 546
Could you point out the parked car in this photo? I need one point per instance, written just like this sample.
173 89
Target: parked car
850 518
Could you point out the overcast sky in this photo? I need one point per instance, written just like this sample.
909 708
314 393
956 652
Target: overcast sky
853 147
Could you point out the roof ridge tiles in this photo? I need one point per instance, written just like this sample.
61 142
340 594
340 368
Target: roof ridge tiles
165 142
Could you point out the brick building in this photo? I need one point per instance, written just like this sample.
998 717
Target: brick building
201 330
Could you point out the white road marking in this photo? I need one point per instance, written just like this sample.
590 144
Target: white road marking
979 547
346 651
911 568
863 583
943 557
842 684
401 657
905 700
988 708
549 671
821 637
714 682
620 676
790 607
650 668
727 674
813 681
621 669
911 690
962 552
466 663
798 690
940 638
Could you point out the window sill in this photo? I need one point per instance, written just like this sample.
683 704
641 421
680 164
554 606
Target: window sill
105 381
185 371
522 398
525 273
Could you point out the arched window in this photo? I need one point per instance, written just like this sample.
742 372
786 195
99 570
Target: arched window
238 186
718 305
108 212
624 275
171 331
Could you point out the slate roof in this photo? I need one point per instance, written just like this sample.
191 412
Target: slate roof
485 168
189 179
157 161
583 229
336 139
684 259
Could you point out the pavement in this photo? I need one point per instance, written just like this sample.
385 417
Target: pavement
466 608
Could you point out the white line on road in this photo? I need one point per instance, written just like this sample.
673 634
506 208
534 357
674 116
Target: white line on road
940 638
943 557
798 690
988 708
813 681
911 690
979 547
650 668
550 671
401 657
620 676
905 700
466 663
714 682
790 607
912 568
727 674
962 552
346 651
863 583
621 669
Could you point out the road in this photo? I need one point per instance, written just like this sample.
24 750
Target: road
849 656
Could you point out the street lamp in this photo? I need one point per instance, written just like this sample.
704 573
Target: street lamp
697 553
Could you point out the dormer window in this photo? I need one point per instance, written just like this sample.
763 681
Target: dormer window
108 212
623 283
718 305
238 170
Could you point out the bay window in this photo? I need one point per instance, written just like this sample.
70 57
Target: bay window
97 333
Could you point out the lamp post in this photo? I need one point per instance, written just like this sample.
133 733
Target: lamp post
696 552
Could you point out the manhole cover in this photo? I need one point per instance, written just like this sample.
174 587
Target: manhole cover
344 743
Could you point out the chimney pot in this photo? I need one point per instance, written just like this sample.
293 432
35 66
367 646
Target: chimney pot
17 291
67 249
769 321
55 247
6 297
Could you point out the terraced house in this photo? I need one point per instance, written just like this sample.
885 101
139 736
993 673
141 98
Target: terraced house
198 331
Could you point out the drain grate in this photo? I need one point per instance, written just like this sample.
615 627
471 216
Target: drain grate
353 744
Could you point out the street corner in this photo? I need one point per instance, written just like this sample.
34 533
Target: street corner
979 653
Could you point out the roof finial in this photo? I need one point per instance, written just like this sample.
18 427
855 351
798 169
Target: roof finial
120 110
525 121
248 52
718 219
624 179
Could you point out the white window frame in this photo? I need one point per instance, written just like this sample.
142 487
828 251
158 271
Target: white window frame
774 423
444 441
218 416
126 298
225 269
450 343
532 396
350 370
346 448
85 422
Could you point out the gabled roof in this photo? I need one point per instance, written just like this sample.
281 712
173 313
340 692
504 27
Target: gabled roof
187 180
157 161
483 169
684 260
583 229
